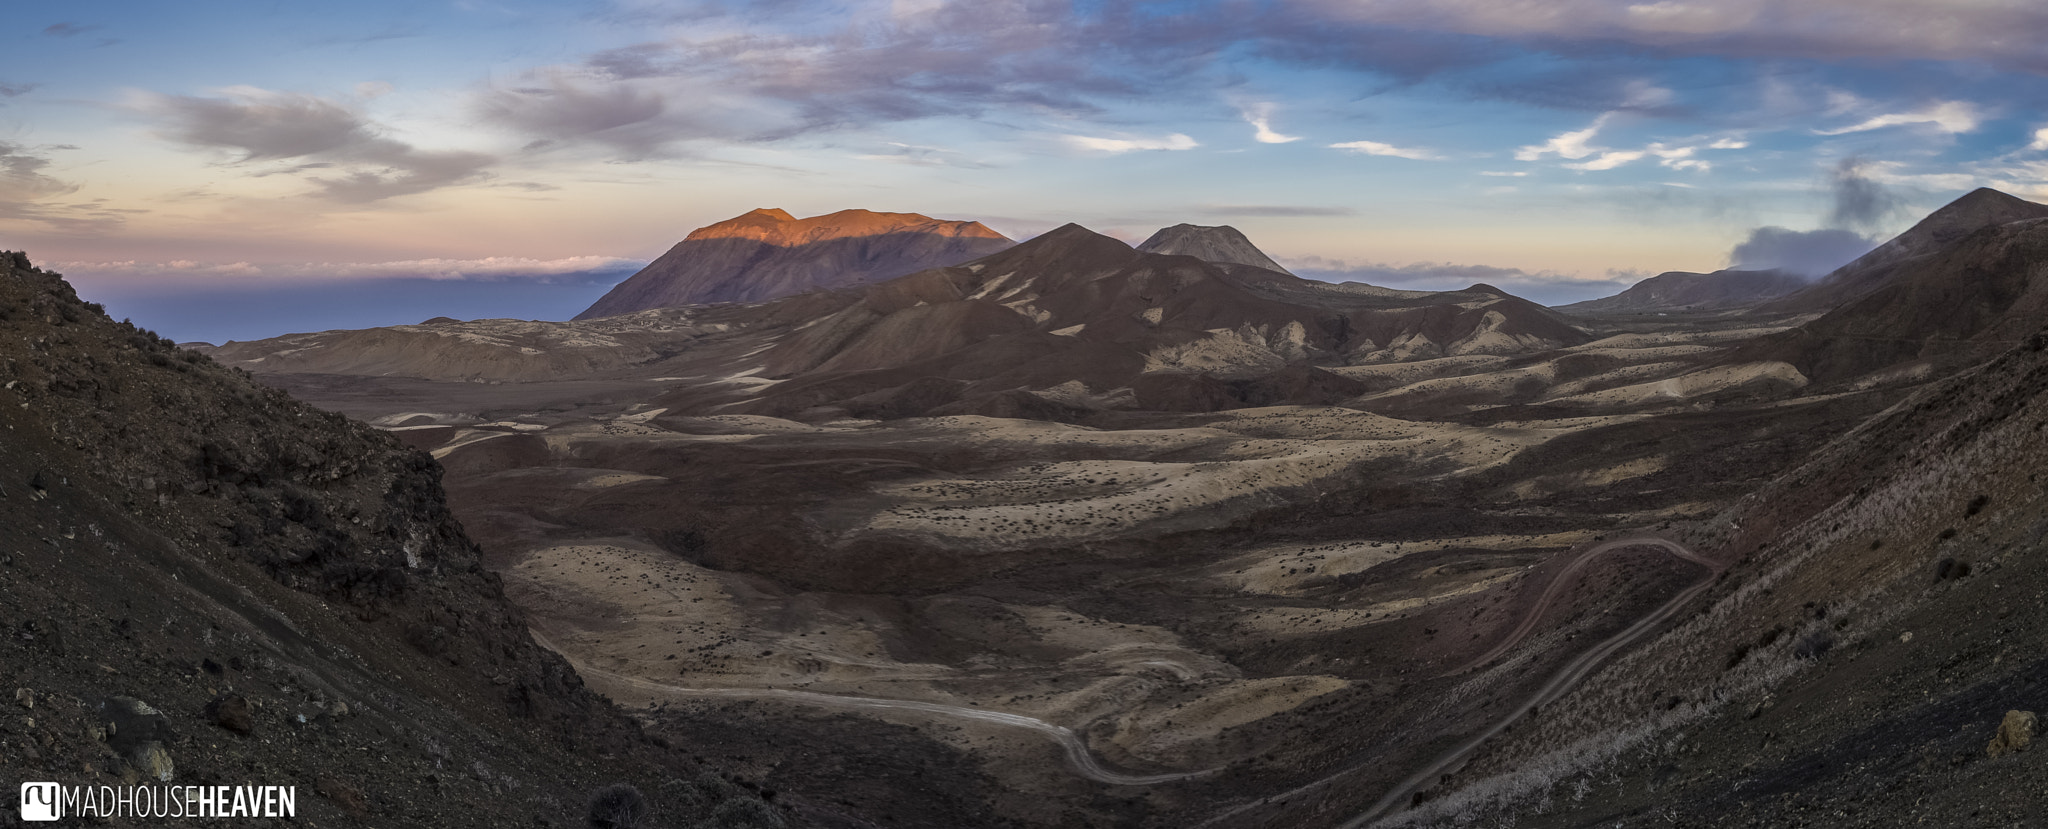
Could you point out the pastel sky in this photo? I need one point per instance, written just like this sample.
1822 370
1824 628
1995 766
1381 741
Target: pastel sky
241 169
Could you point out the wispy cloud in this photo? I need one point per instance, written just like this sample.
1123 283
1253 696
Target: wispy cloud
1578 144
1573 145
28 193
1997 31
1260 116
1951 117
69 29
1093 144
320 134
1389 150
918 155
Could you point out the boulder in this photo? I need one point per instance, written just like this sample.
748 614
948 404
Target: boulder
2015 733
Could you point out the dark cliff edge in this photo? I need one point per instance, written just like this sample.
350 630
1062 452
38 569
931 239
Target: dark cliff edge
286 592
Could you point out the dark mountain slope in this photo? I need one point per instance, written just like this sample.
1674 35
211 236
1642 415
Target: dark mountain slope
286 587
1978 209
1950 307
1880 616
768 253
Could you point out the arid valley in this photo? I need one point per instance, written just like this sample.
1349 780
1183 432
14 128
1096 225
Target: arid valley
1139 538
1025 414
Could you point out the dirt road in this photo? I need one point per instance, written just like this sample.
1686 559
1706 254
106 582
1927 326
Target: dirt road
1565 678
1078 756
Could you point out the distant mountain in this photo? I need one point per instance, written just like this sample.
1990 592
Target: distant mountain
1680 290
767 253
1978 209
1076 307
1221 243
1069 319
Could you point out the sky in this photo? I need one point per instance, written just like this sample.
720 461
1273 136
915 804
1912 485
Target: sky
234 170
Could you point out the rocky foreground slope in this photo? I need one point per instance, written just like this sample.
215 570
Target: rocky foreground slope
1871 655
767 253
207 582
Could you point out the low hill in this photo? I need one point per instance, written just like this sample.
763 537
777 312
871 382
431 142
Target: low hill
1683 291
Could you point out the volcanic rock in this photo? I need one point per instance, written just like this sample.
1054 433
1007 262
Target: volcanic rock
2015 733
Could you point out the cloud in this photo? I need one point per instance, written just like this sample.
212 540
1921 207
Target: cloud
2040 141
69 29
1276 210
1573 145
2001 32
1808 253
1113 146
745 81
1951 117
27 193
1859 200
321 134
16 90
489 268
632 119
1377 148
918 155
1608 160
1505 173
1260 116
1578 144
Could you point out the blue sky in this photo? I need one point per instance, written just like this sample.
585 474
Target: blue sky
244 158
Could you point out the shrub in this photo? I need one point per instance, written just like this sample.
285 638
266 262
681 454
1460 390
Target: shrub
617 806
1814 645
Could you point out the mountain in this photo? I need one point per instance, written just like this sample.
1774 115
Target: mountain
767 253
1074 306
1949 306
1221 244
1683 291
208 581
1978 209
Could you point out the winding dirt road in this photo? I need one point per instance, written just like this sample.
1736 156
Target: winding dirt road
1078 756
1566 677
